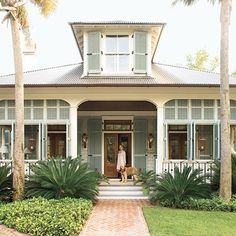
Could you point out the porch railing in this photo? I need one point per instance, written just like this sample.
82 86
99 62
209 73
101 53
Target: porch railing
28 164
203 165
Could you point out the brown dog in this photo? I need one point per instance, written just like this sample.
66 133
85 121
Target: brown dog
128 171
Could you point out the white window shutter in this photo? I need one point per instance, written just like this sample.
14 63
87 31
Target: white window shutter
94 52
140 52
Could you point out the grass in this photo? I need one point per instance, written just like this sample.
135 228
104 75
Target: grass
176 222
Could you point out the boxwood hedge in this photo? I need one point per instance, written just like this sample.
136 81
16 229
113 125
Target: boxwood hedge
41 217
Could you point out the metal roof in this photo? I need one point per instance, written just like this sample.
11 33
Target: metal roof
162 76
118 22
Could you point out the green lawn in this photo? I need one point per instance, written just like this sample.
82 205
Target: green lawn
165 221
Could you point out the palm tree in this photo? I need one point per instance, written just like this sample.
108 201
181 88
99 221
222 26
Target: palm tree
226 170
17 14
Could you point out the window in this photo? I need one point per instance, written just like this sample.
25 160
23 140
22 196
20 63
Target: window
31 150
117 125
177 141
117 53
5 142
204 142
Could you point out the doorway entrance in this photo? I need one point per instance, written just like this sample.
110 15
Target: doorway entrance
56 141
111 146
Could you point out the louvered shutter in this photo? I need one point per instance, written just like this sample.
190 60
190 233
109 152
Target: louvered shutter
95 144
140 137
94 52
140 52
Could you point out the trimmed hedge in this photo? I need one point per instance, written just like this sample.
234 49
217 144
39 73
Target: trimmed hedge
41 217
213 204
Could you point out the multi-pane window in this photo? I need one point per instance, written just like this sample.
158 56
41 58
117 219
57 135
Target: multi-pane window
204 142
36 110
117 53
176 109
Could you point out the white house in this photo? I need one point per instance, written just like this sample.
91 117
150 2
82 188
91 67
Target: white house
162 114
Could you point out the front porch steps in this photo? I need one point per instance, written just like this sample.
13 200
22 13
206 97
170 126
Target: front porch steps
117 190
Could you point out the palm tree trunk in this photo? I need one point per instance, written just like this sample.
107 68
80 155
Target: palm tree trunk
18 158
226 170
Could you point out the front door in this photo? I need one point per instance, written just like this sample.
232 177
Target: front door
111 146
177 145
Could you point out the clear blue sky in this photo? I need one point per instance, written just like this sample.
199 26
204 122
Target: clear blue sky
188 29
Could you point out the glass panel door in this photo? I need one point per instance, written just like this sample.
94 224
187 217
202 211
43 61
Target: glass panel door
111 152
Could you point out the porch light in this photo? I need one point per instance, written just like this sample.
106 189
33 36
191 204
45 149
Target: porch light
150 140
84 140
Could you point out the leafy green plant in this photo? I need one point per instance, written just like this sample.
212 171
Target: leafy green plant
5 183
146 178
215 182
42 217
58 178
180 186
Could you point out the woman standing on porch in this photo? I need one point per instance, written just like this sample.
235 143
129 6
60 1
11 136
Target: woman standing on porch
121 159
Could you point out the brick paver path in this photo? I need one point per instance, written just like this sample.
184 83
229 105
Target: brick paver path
117 218
4 231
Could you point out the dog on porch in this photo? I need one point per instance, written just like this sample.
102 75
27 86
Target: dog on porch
128 171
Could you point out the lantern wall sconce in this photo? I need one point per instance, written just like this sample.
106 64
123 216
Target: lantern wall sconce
84 140
150 141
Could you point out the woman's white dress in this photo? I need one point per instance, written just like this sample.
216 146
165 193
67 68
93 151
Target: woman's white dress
121 159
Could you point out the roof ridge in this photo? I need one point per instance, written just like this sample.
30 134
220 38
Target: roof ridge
43 69
187 68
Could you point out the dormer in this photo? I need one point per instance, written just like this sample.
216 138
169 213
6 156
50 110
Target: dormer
117 48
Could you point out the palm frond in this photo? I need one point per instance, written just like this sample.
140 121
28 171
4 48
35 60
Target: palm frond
5 183
58 178
46 6
191 2
180 186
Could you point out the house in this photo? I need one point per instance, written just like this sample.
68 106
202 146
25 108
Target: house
164 115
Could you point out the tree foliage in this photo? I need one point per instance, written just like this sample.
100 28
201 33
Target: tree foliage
202 61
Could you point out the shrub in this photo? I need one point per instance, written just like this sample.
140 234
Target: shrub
213 204
5 183
41 217
180 186
146 178
57 178
216 175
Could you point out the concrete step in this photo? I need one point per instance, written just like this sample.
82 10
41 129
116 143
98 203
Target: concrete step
121 193
119 188
123 197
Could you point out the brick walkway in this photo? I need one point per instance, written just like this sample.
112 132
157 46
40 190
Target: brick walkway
116 218
4 231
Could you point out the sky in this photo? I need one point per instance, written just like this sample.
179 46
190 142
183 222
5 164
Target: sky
188 29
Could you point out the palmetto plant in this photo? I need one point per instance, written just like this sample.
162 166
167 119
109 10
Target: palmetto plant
180 186
5 183
58 178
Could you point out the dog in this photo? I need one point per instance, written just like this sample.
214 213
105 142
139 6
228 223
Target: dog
128 171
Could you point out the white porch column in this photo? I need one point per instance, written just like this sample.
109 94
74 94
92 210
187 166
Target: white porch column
160 138
73 131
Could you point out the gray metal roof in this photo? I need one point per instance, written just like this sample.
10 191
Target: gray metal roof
118 22
162 75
